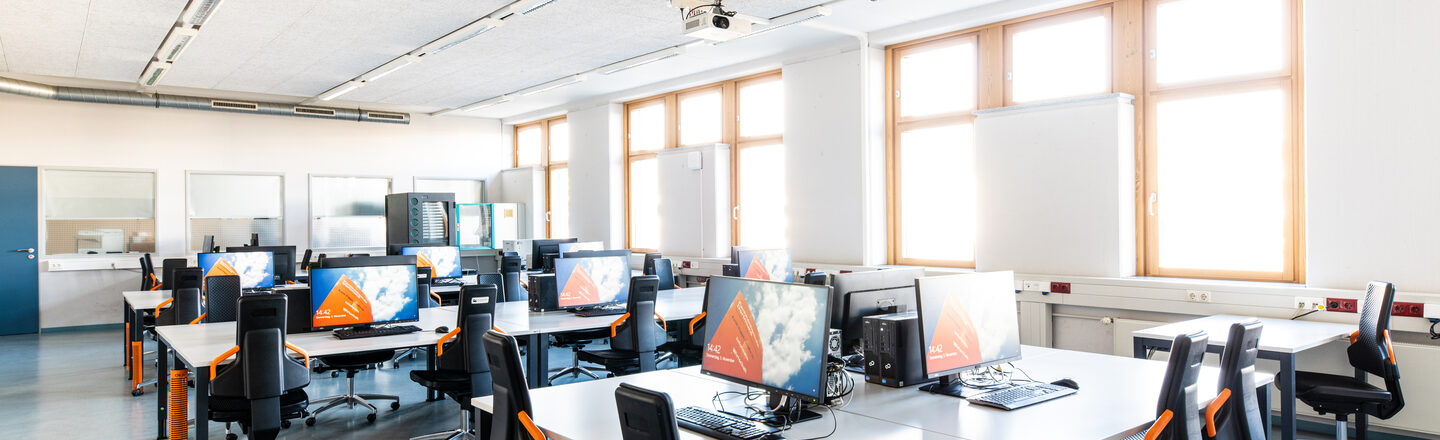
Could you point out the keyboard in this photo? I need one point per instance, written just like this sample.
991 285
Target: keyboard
447 282
599 312
350 333
1021 396
721 426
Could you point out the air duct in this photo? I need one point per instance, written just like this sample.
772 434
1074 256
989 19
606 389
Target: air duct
37 90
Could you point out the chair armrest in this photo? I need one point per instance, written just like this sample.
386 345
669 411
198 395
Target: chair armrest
530 427
662 322
440 345
1212 410
1389 350
696 320
1354 336
199 318
300 351
1159 425
157 284
617 323
162 305
436 296
222 357
498 330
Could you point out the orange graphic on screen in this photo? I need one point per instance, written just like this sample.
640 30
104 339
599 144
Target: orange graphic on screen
735 349
757 271
580 289
956 344
345 305
423 261
222 267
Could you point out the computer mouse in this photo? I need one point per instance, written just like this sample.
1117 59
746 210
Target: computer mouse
443 330
1067 383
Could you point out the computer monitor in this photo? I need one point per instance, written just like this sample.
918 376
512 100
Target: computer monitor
773 264
389 260
256 269
541 246
967 321
362 296
767 334
591 281
649 266
284 257
207 244
735 253
582 246
869 293
443 261
614 253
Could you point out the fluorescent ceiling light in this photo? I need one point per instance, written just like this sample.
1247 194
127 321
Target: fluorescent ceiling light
562 82
153 73
459 36
641 60
806 14
528 6
486 103
199 11
390 67
175 43
342 89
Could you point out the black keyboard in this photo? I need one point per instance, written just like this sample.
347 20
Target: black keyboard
350 333
721 426
1021 396
599 312
447 282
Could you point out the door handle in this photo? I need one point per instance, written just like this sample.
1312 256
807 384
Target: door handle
29 250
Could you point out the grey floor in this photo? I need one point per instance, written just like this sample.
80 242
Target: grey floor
71 384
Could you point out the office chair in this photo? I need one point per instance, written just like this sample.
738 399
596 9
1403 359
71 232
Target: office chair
1370 351
352 364
305 260
634 337
148 280
222 293
492 279
263 388
1178 413
183 307
511 268
512 420
817 278
666 273
689 347
645 414
463 372
1235 412
428 298
168 267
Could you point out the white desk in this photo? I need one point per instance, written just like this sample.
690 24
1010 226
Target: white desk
195 346
1280 340
1117 398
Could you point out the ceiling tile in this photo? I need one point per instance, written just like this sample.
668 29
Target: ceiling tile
122 36
42 37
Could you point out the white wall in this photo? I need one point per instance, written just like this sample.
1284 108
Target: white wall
597 179
47 133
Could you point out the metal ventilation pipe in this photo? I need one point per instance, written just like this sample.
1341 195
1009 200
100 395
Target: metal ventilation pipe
44 91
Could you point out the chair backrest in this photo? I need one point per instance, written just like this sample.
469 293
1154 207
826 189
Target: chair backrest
1240 416
305 260
147 273
1179 393
696 325
817 278
475 316
1371 349
510 269
493 279
222 292
639 332
186 277
262 370
664 272
422 288
184 309
168 267
512 395
645 414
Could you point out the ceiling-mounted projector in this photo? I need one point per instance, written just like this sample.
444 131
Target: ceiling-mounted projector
713 24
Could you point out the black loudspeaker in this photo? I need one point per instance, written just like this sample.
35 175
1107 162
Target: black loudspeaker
892 350
543 295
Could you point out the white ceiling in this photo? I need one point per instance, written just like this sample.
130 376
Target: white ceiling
303 48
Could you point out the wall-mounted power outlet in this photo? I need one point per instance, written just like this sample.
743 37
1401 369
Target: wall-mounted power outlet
1309 303
1411 309
1034 286
1197 296
1342 305
1058 287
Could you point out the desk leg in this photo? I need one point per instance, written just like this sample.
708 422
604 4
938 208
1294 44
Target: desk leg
162 383
1262 399
1286 381
136 373
537 363
430 394
125 310
201 409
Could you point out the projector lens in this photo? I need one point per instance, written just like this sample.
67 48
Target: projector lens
721 22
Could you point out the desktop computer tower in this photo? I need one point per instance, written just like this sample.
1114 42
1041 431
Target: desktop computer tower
543 295
892 350
421 218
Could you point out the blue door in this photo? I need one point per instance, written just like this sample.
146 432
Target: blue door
19 263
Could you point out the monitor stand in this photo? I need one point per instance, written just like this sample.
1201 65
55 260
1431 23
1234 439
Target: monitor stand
784 411
952 386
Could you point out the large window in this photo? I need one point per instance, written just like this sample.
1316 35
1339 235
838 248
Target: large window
746 113
233 206
546 143
1223 100
347 212
99 212
465 190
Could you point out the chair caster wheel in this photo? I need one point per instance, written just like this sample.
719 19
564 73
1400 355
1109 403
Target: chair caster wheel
231 436
370 417
395 405
137 392
284 424
310 421
334 374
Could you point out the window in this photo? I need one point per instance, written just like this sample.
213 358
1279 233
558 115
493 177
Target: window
1246 225
347 212
465 190
233 206
547 143
1058 57
746 113
99 212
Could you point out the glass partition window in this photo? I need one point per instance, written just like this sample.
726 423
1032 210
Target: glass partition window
347 212
465 190
99 212
231 207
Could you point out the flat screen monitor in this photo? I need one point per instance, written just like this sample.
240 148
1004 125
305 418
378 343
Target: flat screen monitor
767 334
256 269
550 245
284 257
968 321
591 281
389 260
869 293
443 261
772 265
615 253
365 295
735 253
582 246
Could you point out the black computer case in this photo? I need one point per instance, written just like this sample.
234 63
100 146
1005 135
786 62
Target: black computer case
421 218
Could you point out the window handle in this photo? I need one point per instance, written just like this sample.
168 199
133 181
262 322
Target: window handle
735 212
1150 205
26 250
547 216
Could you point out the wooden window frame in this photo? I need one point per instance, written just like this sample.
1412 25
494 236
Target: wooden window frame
544 126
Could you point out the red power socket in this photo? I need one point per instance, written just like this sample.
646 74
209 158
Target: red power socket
1343 305
1416 310
1056 287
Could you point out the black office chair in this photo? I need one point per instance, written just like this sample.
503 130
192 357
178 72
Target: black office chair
185 307
634 337
463 372
690 346
511 270
1178 413
1370 351
263 388
428 297
352 364
168 267
222 293
148 280
1235 412
187 277
512 410
645 414
305 260
666 273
